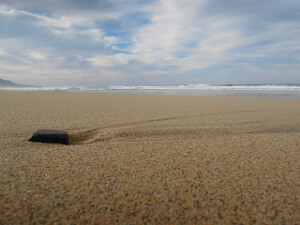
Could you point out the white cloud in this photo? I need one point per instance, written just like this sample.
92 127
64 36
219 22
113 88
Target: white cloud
2 52
159 39
104 61
170 29
179 35
68 26
213 48
36 55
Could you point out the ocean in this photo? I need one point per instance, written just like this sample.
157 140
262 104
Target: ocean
252 90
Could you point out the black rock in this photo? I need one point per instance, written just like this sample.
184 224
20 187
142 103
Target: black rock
50 136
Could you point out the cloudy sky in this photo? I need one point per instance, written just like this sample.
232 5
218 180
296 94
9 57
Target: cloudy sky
151 42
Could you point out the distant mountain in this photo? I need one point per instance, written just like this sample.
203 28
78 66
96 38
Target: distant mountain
7 83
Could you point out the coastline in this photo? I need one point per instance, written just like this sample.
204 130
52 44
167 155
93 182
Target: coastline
242 90
149 159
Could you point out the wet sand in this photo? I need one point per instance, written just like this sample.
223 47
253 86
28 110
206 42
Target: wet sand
149 159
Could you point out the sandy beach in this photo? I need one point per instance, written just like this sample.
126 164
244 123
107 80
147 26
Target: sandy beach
149 159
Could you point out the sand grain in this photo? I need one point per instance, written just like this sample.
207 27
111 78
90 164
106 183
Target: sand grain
139 159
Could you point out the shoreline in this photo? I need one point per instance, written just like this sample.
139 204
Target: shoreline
149 159
273 94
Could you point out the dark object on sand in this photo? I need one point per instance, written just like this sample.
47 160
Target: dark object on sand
50 136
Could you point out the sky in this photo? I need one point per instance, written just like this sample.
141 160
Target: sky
149 42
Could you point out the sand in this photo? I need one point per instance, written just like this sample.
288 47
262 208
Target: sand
149 159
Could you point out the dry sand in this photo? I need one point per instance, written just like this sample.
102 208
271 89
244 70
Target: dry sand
146 159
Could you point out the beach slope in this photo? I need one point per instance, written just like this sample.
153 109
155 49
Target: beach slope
149 159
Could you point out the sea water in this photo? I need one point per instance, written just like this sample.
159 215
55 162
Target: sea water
257 90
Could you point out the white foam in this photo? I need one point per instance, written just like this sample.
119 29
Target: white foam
158 88
209 87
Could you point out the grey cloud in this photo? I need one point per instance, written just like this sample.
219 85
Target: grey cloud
15 26
28 29
256 34
58 6
113 16
269 10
